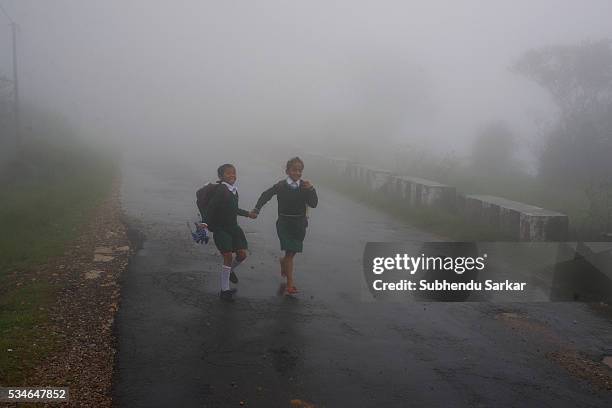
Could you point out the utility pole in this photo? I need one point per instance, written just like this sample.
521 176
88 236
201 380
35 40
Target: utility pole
16 90
16 113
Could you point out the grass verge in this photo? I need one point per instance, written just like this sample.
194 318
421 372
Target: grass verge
50 193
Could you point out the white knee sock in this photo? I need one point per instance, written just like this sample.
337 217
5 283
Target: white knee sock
225 273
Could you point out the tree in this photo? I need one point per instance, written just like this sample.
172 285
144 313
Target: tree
494 148
579 78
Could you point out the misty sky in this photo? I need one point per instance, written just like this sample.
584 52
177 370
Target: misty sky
425 72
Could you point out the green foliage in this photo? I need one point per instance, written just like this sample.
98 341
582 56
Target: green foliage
47 195
494 148
23 340
599 215
579 146
577 76
512 184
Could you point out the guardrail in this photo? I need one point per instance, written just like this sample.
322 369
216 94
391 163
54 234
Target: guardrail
515 220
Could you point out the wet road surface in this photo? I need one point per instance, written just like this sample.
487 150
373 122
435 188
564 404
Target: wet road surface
180 346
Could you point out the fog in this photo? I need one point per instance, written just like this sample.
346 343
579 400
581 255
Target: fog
183 75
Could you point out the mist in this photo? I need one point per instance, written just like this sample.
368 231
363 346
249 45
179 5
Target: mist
341 132
177 76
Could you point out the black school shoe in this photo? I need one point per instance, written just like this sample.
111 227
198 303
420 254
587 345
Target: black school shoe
233 277
227 295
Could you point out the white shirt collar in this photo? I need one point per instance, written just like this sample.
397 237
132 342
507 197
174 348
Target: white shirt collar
294 184
230 187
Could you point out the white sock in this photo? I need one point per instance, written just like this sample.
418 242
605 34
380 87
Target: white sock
225 273
235 264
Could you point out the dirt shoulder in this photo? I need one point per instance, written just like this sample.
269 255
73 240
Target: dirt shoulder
82 314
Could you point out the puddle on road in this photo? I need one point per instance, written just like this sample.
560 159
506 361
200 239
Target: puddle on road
509 315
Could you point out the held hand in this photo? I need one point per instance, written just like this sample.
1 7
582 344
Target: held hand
306 184
252 214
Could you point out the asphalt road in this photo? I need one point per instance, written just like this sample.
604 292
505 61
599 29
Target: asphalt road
333 346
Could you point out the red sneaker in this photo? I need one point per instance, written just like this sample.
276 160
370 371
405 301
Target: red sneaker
292 290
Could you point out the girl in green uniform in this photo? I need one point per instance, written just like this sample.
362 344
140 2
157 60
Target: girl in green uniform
220 217
294 195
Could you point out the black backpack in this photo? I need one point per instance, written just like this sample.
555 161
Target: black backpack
204 195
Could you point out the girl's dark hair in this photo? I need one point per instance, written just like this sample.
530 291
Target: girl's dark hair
224 167
294 160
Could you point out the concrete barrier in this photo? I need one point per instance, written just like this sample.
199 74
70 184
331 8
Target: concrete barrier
399 187
515 220
340 166
361 176
512 219
420 192
583 272
352 171
376 180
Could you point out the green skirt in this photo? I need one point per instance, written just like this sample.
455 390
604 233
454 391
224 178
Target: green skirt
291 232
229 239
